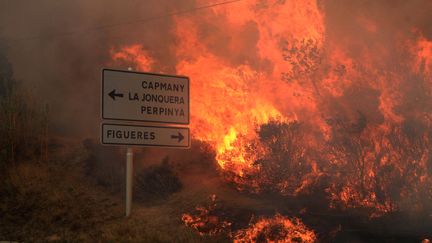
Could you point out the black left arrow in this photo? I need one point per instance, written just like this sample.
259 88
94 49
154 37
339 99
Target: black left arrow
113 94
179 137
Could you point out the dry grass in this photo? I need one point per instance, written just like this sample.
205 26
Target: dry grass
56 201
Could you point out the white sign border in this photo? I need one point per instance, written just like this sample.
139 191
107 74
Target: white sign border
155 74
144 145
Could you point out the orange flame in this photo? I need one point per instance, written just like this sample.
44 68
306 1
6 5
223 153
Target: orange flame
133 54
259 62
276 229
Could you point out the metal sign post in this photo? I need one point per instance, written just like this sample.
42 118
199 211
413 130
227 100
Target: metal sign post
129 177
129 182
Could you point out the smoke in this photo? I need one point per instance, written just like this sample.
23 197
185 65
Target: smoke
58 50
376 36
62 65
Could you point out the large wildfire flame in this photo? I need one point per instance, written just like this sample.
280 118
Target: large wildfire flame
284 106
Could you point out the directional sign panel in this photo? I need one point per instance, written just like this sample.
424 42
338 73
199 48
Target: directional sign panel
117 134
134 96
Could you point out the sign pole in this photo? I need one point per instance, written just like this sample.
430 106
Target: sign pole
129 177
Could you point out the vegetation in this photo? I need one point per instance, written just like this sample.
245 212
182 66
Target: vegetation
157 182
73 195
23 125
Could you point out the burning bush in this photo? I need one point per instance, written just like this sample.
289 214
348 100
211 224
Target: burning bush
378 167
213 218
288 168
285 167
276 229
208 219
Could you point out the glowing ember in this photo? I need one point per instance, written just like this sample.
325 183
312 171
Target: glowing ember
210 219
207 219
276 229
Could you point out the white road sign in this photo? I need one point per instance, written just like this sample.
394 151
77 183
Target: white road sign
118 134
134 96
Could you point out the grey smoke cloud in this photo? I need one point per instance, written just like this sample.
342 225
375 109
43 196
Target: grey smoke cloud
62 64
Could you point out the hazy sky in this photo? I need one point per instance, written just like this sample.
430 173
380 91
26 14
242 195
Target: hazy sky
64 70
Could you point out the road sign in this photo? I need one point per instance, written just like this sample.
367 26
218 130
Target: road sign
134 96
119 134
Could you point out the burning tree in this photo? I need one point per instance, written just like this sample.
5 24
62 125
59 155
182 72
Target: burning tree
304 56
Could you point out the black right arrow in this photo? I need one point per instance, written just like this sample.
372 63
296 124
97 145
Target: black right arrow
179 137
113 94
